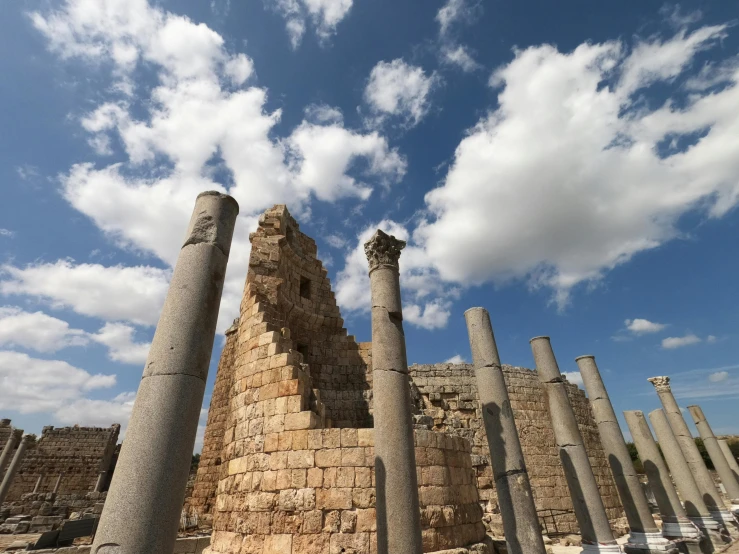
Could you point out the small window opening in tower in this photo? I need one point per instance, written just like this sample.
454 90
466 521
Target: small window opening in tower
304 287
303 349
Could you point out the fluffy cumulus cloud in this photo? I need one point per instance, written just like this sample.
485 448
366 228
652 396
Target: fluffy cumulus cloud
456 11
119 338
456 359
399 89
460 56
427 300
717 382
324 15
449 16
98 413
575 172
643 326
36 385
37 331
202 119
670 343
718 376
573 377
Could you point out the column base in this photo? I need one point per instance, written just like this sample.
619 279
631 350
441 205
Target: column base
714 531
596 548
642 543
728 520
734 508
681 530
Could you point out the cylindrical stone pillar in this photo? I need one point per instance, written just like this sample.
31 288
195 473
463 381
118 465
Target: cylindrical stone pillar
144 503
729 455
644 535
703 478
516 501
720 463
37 486
58 483
5 457
695 505
675 522
14 466
398 513
595 528
100 481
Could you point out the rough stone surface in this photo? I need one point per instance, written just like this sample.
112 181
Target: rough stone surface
515 498
589 509
14 466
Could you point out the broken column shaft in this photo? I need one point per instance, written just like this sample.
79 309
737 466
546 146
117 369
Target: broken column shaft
398 513
720 463
675 522
144 503
12 442
595 528
724 445
516 501
644 534
14 466
693 456
695 505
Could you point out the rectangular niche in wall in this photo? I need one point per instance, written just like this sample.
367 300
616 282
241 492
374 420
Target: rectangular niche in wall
305 287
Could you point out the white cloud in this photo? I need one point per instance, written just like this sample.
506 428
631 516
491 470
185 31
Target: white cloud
573 377
427 300
336 241
456 359
643 326
98 413
6 233
455 11
398 89
718 377
34 385
118 337
325 16
711 339
37 331
459 56
679 342
114 293
572 177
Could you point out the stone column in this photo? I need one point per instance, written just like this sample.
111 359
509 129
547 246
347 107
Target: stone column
595 528
724 445
398 513
644 535
675 522
717 456
693 456
58 483
100 481
14 466
695 505
13 439
516 501
37 486
144 503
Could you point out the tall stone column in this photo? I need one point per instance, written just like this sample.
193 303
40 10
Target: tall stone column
516 501
644 535
675 522
58 483
693 456
143 506
595 528
729 457
717 456
37 486
13 440
695 505
14 466
398 513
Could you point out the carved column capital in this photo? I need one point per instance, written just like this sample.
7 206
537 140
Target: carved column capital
662 383
383 250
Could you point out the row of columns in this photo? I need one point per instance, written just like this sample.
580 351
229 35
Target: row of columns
15 463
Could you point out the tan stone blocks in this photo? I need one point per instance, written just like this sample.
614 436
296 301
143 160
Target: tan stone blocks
315 477
334 499
358 543
353 457
300 458
311 544
278 544
301 420
328 457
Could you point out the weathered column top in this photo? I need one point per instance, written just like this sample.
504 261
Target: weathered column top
383 250
661 383
212 221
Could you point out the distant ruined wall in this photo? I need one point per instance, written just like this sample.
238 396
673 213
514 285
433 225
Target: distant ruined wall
78 454
5 431
447 393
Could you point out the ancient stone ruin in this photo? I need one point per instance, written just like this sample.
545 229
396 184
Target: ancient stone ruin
288 462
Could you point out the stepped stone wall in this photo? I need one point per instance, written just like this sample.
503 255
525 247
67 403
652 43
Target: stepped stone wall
287 463
5 431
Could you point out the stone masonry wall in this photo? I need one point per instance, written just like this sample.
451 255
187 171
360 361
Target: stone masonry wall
79 454
5 431
447 393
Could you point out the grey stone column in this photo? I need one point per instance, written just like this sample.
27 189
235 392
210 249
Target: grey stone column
100 481
516 501
14 466
724 445
675 522
144 503
13 440
717 456
58 483
398 513
695 505
644 535
37 486
595 528
703 478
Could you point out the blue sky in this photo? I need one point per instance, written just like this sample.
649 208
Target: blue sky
573 168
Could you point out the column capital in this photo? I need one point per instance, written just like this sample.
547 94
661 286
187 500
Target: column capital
661 383
29 439
383 250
